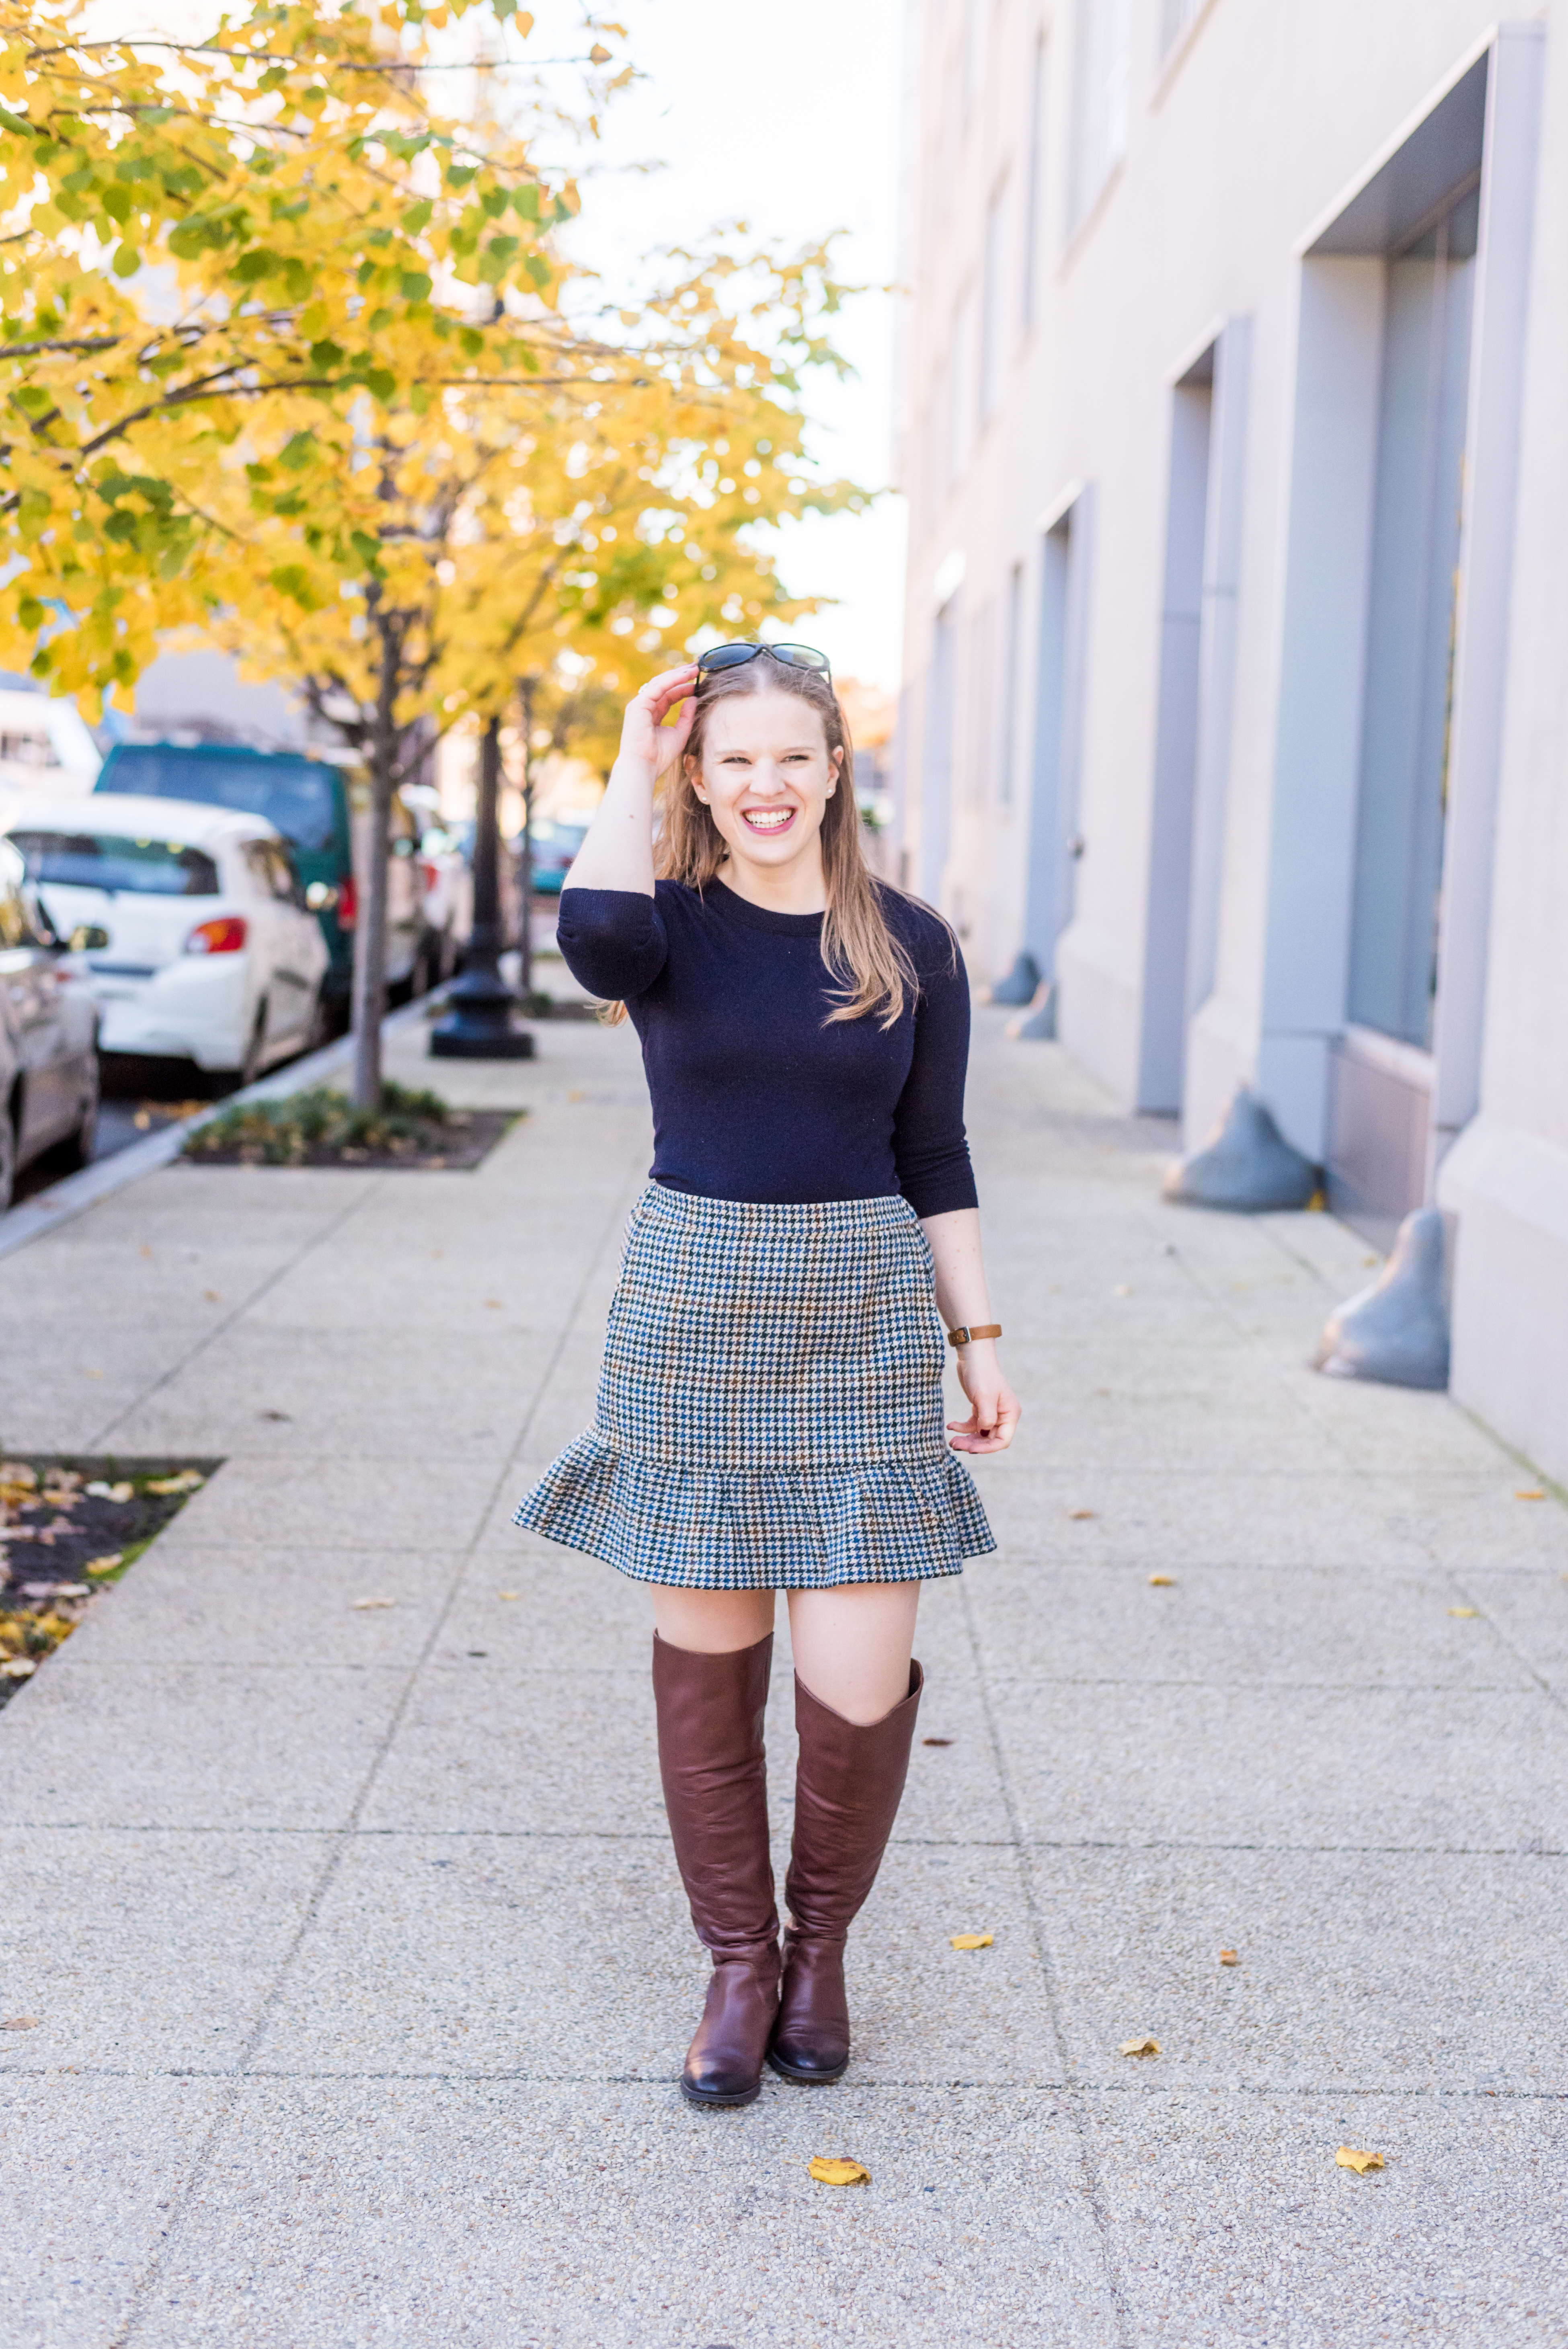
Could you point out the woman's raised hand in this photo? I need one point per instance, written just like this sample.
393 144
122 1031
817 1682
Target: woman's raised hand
644 737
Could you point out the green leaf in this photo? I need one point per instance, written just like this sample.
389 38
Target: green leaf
292 580
127 261
415 286
525 201
253 267
327 355
381 383
297 452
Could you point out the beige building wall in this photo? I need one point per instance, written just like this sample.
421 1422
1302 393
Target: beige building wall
1237 458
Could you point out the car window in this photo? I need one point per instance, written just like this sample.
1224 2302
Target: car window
273 869
296 795
143 868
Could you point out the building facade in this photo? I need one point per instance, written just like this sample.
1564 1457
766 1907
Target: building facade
1237 449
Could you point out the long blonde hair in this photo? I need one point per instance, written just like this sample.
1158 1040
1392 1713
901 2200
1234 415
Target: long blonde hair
870 969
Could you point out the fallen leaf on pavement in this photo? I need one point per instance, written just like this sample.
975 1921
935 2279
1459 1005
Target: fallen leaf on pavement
937 1741
22 2023
1349 2158
186 1482
1162 1581
1229 1958
972 1941
1081 1514
1139 2047
120 1493
1464 1611
1531 1492
212 1296
492 1304
510 1594
828 2170
18 1668
375 1602
105 1565
1122 1291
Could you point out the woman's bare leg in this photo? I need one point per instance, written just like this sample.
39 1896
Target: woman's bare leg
711 1622
852 1645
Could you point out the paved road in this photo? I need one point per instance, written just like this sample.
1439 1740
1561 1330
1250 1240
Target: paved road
359 1955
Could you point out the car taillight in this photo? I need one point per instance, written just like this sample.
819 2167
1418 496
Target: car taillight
347 904
430 876
225 936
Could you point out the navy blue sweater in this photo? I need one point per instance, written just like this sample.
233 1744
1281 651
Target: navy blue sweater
755 1096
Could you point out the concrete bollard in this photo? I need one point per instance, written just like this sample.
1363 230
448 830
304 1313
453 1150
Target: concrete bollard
1021 982
1246 1167
1037 1025
1396 1331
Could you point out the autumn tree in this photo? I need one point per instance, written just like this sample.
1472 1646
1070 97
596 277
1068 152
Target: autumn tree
286 357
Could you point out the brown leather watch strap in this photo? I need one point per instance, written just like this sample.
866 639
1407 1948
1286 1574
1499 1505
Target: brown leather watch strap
981 1329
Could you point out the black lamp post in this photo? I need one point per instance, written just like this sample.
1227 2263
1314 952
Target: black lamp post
478 1026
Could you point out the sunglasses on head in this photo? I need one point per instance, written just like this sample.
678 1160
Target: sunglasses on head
722 657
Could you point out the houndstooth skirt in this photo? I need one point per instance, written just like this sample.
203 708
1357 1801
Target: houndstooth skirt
771 1405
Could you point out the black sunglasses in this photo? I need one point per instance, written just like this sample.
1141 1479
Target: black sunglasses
722 656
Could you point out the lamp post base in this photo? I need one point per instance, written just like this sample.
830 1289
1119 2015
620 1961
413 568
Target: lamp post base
460 1039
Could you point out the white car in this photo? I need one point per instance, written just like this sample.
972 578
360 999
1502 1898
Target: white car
212 954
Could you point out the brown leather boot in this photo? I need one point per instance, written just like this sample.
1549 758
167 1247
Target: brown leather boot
847 1793
715 1771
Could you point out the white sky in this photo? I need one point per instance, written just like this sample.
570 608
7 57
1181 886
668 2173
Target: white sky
788 119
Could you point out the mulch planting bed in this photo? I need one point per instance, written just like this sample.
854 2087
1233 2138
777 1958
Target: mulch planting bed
71 1525
320 1128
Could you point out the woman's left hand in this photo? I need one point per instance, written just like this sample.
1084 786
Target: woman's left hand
995 1409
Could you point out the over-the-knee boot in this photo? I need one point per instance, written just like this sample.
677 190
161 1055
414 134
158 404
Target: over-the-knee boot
714 1767
847 1793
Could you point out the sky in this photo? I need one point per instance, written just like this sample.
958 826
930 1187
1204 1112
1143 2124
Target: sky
786 119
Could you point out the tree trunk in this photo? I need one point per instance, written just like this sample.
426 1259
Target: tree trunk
370 935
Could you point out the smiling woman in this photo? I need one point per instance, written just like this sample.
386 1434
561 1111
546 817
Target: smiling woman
769 1411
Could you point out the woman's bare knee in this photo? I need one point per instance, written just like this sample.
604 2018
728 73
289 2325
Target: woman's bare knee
852 1645
711 1622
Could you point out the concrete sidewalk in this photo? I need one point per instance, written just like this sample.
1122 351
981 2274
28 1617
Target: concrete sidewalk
363 1966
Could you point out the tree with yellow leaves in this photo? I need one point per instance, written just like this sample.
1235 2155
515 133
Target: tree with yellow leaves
285 356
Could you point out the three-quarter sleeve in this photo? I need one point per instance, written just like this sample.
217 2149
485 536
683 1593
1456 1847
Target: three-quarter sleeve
929 1147
613 941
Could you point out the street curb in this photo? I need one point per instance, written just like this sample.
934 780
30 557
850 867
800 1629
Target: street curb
69 1197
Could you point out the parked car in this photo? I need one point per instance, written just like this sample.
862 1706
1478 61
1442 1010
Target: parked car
203 945
554 845
49 1034
449 901
307 800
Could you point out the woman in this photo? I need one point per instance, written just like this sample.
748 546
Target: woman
769 1411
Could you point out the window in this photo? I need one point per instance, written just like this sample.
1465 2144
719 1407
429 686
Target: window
1101 99
142 868
963 369
981 698
1175 15
991 303
270 863
1011 645
1033 192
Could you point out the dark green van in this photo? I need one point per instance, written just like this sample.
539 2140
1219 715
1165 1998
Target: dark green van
304 797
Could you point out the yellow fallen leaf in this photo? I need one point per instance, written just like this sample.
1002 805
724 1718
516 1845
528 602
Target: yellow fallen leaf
1349 2158
830 2171
92 1374
509 1594
1531 1492
1464 1611
375 1602
1081 1514
105 1565
22 2023
972 1941
19 1668
1162 1581
1139 2047
186 1482
212 1296
1229 1958
492 1304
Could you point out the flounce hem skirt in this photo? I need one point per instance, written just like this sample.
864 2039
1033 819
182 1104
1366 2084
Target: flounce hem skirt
770 1406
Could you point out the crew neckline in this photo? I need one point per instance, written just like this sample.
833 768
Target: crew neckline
763 917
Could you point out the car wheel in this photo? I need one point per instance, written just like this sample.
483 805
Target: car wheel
79 1145
255 1058
7 1154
